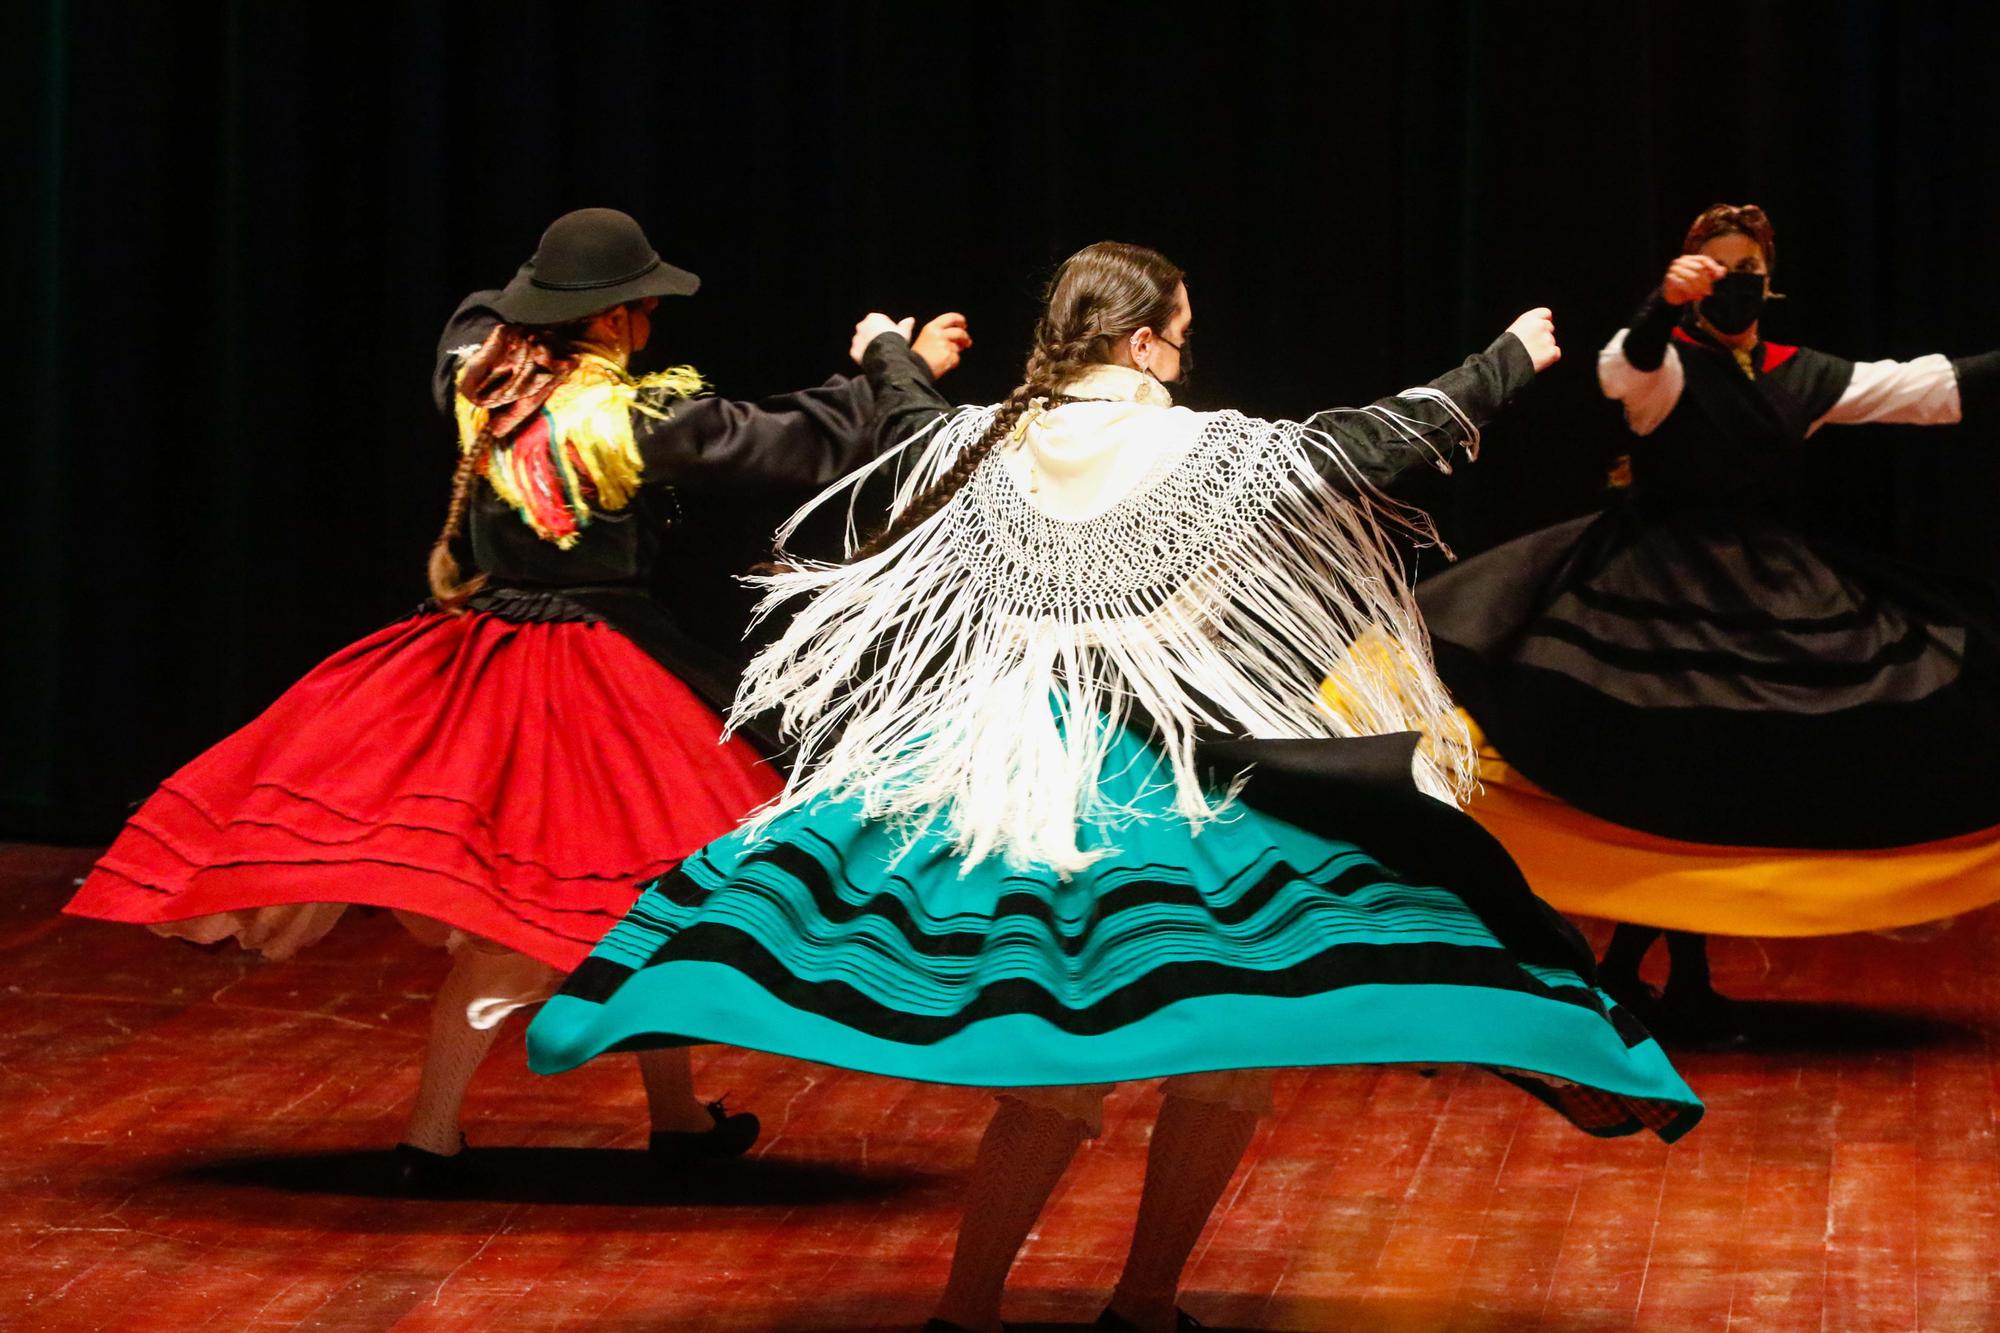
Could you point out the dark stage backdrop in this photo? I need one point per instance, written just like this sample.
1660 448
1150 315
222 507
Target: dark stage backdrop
234 230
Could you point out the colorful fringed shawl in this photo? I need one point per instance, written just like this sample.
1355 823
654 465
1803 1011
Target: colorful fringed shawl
974 675
574 455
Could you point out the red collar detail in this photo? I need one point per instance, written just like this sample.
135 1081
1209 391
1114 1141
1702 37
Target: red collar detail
1770 355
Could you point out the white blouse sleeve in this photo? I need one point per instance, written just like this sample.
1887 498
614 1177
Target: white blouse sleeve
1647 395
1923 392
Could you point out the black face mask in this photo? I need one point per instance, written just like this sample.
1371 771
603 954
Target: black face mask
1734 303
1186 349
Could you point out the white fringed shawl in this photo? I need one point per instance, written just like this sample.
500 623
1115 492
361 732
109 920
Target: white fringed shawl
975 672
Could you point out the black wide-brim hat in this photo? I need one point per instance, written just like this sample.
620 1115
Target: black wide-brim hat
588 261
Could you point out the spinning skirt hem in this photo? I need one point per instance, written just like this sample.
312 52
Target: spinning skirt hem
514 780
1250 943
1592 867
1563 1053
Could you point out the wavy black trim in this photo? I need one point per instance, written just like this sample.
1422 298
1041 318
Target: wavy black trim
1334 968
490 887
1752 619
1820 672
595 980
966 946
1149 885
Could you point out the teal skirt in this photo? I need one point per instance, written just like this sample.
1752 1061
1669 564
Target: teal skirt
1251 943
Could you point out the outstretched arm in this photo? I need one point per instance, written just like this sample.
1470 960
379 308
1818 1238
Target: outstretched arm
812 437
1930 391
801 439
1434 422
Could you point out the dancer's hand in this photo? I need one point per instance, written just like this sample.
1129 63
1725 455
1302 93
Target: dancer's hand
1690 278
941 342
1537 332
872 326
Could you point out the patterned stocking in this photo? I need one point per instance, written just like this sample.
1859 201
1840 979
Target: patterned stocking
1025 1152
1195 1149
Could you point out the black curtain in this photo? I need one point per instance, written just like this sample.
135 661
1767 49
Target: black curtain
235 229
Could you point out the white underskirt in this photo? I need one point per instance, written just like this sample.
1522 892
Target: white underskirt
504 979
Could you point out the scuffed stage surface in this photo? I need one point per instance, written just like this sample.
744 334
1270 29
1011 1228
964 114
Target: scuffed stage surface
193 1140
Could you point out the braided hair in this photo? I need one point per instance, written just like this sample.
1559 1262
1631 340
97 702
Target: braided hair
512 374
1745 220
449 588
1099 297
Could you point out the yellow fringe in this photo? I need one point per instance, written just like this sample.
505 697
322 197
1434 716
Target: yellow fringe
1376 657
589 413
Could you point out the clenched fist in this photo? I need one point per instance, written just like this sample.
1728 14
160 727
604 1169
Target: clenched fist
941 343
1537 332
1690 278
872 326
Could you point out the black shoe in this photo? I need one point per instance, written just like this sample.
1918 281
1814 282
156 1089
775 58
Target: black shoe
1699 1016
418 1173
1632 994
1112 1322
730 1136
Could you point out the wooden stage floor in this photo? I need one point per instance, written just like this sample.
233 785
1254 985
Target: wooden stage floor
194 1140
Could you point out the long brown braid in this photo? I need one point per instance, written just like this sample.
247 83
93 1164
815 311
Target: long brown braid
449 588
512 374
1100 296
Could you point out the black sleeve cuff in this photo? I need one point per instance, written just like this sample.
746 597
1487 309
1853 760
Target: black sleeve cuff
1978 385
1482 385
1652 324
1511 359
891 350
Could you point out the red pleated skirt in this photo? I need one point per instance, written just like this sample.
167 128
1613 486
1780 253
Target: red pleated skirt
513 780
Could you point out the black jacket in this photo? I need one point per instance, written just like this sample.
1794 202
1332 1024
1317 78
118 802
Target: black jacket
630 569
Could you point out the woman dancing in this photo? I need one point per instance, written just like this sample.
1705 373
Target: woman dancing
1728 722
1066 811
502 767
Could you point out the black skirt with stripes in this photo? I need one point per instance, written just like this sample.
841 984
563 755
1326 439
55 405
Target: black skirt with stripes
1714 676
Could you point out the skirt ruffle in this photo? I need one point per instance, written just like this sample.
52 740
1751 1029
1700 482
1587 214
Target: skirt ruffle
1254 943
510 780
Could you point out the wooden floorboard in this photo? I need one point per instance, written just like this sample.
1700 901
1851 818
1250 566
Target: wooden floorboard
194 1139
